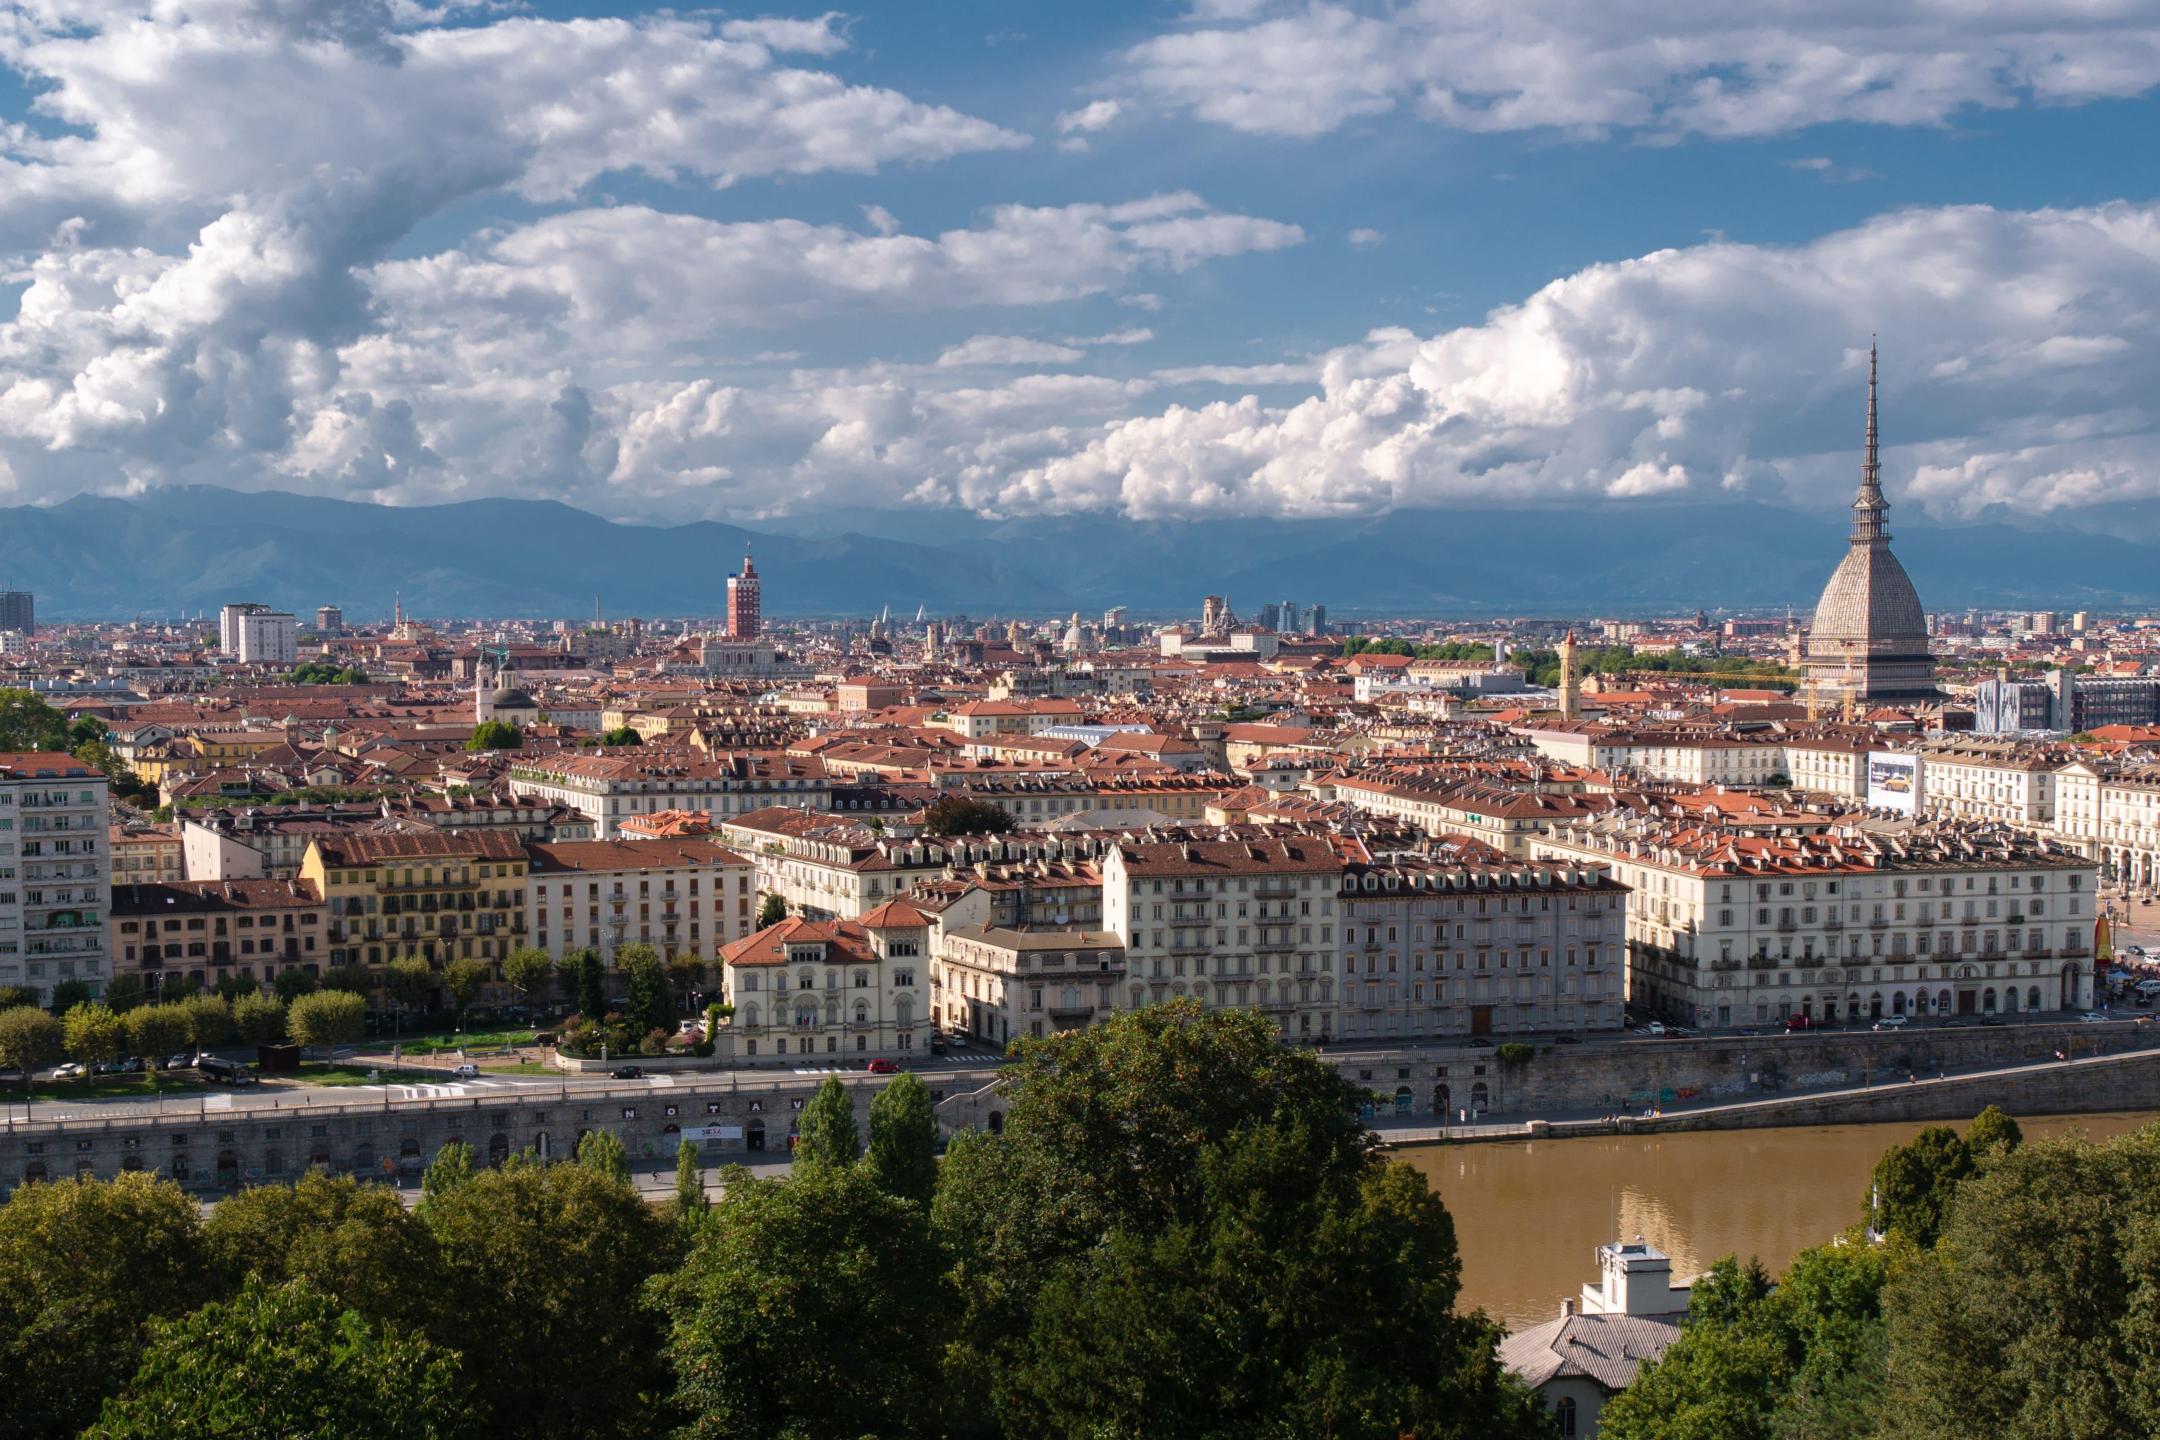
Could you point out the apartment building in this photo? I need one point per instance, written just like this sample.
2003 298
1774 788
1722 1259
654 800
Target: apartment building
1245 923
207 931
996 984
145 854
1506 817
1737 925
1991 780
443 896
681 896
1435 951
611 787
2112 816
828 991
55 872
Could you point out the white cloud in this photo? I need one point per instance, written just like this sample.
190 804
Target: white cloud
1089 118
1007 350
881 220
1365 239
805 37
1131 335
2021 367
1305 67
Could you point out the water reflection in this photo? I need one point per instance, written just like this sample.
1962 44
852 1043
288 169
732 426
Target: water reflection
1529 1215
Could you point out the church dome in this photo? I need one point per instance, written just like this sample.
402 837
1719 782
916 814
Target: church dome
512 698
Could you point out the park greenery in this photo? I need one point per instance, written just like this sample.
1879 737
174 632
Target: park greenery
495 735
1542 667
1180 1229
958 815
323 672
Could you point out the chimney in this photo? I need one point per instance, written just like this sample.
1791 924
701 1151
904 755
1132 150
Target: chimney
1567 1309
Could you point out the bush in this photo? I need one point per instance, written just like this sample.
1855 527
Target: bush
1515 1052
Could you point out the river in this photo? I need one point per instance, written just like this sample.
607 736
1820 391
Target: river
1529 1214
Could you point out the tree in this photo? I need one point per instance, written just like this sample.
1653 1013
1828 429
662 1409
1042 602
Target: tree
827 1134
322 672
959 815
451 1167
231 987
822 1278
589 980
649 1006
689 1185
156 1031
123 993
68 994
463 979
260 1019
1177 1181
28 723
409 981
772 911
353 979
84 1264
2037 1313
495 735
209 1020
91 1033
621 735
355 1242
284 1360
30 1039
326 1018
14 995
1913 1184
291 983
687 970
530 972
544 1259
903 1140
1992 1136
601 1151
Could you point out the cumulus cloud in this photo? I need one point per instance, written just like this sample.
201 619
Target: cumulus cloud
1365 239
1306 67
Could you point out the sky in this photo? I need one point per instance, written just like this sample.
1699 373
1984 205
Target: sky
1280 258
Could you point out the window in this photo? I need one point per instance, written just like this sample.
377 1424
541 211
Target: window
1564 1416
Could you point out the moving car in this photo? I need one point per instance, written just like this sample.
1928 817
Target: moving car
1890 1022
883 1067
1655 1027
467 1071
1798 1022
2093 1017
73 1070
628 1072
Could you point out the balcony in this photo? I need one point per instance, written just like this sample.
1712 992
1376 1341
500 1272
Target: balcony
1788 926
1070 1012
1273 947
1833 922
1725 963
1765 962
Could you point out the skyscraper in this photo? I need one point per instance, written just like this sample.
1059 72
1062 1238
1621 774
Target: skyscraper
1869 638
744 621
18 611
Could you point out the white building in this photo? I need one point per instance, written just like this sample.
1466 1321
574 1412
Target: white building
997 984
684 896
611 787
828 991
268 637
55 873
1735 925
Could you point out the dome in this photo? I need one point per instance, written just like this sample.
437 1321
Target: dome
512 698
1869 605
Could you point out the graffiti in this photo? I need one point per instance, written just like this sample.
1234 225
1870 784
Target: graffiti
1822 1077
1687 1092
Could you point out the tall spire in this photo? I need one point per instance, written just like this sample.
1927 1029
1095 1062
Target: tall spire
1868 506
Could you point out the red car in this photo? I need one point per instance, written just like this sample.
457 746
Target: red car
1797 1022
883 1067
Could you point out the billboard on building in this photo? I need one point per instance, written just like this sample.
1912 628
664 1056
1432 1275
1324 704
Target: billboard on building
1893 782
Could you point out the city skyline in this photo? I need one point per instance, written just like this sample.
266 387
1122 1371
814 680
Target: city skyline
1246 259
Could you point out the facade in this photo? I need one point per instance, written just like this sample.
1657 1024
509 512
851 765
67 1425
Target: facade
18 611
1730 925
1868 642
1990 780
444 897
2064 703
681 896
806 991
329 619
207 931
1433 951
996 984
609 788
55 872
1243 923
145 854
2113 817
268 637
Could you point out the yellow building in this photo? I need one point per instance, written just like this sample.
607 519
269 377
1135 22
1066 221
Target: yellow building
442 896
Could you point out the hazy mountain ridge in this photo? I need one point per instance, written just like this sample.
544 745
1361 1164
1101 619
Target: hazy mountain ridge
193 548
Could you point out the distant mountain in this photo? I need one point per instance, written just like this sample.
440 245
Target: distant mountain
194 548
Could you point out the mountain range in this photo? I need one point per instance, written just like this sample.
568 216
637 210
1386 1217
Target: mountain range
190 549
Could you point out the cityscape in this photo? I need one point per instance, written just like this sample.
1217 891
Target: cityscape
638 798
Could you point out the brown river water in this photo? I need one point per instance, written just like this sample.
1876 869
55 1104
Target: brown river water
1529 1214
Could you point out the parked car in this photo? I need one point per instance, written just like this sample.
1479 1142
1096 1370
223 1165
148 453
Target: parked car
467 1071
1991 1020
1799 1022
628 1072
1567 1039
73 1070
1890 1022
1655 1027
1677 1032
883 1067
185 1060
937 1045
1481 1042
2094 1017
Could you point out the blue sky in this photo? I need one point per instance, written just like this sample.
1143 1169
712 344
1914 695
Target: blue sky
1234 257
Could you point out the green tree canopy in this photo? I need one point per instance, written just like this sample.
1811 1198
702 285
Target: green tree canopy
903 1140
959 815
1913 1184
690 1203
621 735
28 723
292 982
355 1242
531 972
91 1033
84 1265
328 1017
772 910
323 672
451 1167
650 1006
589 979
68 994
463 979
259 1019
283 1360
409 981
156 1031
30 1038
495 735
601 1151
1992 1136
823 1279
826 1132
209 1019
1177 1183
545 1260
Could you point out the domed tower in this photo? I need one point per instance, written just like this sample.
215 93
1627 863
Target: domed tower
1869 641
